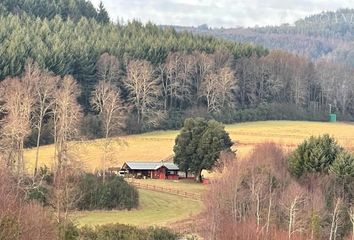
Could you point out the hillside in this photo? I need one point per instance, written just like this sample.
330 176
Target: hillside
325 35
156 146
189 75
64 41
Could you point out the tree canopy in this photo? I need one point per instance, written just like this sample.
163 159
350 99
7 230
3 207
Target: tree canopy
199 145
178 74
73 9
316 154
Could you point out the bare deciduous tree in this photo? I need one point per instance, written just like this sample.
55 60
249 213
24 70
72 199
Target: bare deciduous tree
335 223
351 216
108 68
203 66
144 92
217 89
107 102
178 80
44 87
17 95
66 117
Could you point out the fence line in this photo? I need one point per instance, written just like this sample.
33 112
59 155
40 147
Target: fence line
194 196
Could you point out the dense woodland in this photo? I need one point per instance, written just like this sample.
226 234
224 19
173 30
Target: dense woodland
161 76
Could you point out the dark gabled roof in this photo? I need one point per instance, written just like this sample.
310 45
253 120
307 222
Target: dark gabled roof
150 165
171 166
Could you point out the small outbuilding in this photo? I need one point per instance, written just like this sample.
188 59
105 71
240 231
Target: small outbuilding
153 170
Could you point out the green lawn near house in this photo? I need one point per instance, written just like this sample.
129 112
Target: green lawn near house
159 209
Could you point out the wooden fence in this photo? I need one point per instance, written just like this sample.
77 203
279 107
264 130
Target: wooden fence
194 196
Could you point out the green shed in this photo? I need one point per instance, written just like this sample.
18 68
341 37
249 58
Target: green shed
332 117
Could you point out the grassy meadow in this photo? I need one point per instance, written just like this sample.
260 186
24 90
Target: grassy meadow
156 146
155 209
163 209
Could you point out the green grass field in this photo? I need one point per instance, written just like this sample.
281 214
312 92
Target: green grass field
156 208
156 146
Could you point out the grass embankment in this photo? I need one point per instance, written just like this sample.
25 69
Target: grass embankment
156 208
156 146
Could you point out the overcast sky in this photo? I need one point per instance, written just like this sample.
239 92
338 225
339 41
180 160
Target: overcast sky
217 13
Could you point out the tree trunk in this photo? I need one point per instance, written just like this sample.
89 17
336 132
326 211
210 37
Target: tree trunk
269 207
37 150
198 176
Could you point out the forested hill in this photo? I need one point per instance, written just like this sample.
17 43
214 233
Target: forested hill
73 46
327 35
66 38
159 76
73 9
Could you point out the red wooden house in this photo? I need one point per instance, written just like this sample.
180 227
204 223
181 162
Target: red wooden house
154 170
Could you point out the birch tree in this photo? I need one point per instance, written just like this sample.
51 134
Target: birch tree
66 117
351 216
218 89
293 202
335 223
179 72
17 96
44 87
108 68
144 92
107 102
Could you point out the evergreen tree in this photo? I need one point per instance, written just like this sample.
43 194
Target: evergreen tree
316 154
199 144
102 16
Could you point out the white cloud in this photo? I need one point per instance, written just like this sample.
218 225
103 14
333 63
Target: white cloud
226 13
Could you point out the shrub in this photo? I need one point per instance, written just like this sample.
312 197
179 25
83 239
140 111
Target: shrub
314 155
9 228
40 189
343 165
39 194
160 234
20 219
125 232
273 111
68 231
115 193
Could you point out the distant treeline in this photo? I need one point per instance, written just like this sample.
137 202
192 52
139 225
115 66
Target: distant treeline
326 35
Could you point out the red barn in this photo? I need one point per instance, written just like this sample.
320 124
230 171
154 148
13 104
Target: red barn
154 170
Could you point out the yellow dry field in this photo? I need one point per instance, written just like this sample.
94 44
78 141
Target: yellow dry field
156 146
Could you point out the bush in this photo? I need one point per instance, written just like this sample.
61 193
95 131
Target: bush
9 228
273 111
39 194
160 234
40 189
125 232
314 155
343 165
20 219
68 231
115 193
